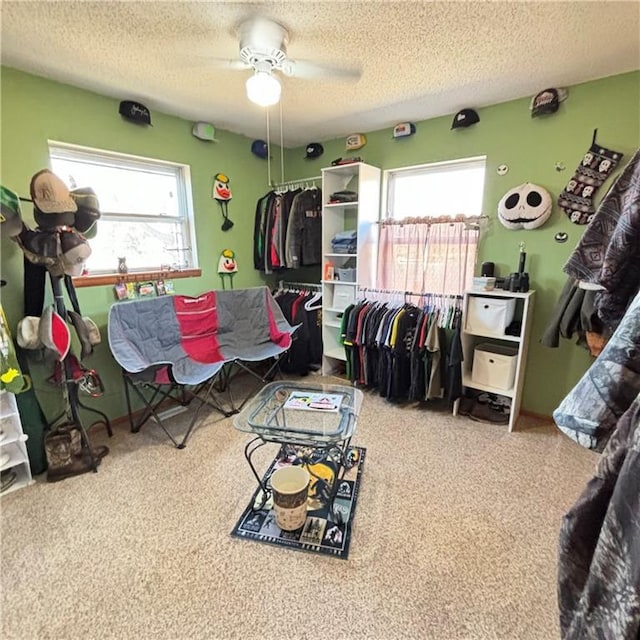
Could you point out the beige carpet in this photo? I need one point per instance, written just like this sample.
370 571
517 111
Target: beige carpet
454 537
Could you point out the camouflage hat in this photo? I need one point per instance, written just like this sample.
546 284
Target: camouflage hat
88 211
10 216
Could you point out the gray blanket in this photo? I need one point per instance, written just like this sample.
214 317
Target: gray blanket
196 336
591 410
599 546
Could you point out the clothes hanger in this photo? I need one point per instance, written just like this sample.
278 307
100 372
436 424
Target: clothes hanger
308 306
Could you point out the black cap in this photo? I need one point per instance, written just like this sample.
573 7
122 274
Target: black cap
545 102
314 150
465 118
260 148
134 112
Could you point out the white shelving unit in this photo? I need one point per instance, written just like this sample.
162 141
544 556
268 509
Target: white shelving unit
362 215
470 339
13 442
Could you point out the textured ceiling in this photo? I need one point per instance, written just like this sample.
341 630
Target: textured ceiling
418 59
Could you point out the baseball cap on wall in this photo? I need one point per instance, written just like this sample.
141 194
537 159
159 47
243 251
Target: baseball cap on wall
260 148
135 112
404 129
356 141
547 101
204 131
465 118
314 150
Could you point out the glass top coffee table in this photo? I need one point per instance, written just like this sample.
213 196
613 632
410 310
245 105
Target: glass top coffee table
317 421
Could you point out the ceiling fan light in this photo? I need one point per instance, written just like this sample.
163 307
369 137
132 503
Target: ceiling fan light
263 89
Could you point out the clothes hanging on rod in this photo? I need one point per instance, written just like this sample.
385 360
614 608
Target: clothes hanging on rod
288 229
406 351
301 304
290 185
298 286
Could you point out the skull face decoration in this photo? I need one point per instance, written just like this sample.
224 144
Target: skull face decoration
605 165
527 206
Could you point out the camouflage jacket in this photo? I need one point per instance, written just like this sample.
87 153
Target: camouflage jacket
599 552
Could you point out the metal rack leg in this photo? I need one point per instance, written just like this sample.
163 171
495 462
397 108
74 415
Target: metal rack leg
105 418
248 453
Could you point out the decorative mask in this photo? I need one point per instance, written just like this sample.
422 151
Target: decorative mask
527 206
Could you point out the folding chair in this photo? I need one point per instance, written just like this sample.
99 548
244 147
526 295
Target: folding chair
181 349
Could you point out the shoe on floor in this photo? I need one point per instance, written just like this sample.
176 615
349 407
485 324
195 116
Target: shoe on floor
484 413
7 478
465 406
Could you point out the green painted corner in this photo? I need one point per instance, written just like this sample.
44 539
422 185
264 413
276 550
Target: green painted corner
35 110
531 147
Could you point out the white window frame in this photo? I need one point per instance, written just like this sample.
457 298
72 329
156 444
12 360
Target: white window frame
423 169
182 172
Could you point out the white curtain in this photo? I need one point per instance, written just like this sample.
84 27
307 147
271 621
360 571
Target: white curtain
427 255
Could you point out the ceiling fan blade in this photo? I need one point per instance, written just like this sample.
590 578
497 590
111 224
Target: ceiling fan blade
225 63
312 70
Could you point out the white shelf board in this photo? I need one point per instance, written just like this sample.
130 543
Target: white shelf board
334 310
341 255
468 382
8 404
352 284
22 479
493 335
336 354
16 455
346 169
501 293
340 205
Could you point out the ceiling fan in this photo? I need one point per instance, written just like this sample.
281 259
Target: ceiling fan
263 48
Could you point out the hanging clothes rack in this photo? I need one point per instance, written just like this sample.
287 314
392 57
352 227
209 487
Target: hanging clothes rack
301 183
424 294
312 286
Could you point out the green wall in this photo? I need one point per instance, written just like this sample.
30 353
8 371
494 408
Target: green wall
35 110
531 147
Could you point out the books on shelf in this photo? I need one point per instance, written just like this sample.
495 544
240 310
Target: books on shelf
329 402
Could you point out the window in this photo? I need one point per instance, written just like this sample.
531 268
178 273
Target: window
440 189
145 206
425 245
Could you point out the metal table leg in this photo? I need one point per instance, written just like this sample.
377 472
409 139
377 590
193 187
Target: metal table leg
249 450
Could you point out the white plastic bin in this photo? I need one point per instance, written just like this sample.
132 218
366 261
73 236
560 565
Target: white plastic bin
343 296
494 365
489 316
346 274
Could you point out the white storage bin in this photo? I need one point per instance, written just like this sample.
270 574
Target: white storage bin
343 296
487 315
494 365
346 274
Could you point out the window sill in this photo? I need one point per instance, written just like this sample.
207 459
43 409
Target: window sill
137 276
